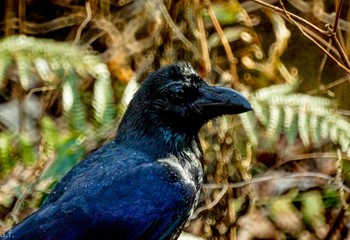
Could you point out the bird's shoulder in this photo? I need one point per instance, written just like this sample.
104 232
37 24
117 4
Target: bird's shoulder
106 162
118 173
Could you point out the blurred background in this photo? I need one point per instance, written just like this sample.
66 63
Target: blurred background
69 67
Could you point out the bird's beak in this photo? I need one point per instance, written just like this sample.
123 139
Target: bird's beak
216 101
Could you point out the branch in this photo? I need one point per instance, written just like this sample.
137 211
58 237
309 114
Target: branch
224 41
292 16
296 20
328 180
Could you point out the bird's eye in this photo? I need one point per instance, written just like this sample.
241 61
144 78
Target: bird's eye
179 93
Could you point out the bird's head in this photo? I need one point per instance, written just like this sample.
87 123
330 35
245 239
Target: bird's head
175 97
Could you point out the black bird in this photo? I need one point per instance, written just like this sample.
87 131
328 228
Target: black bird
145 183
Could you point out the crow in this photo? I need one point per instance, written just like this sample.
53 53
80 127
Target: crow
147 181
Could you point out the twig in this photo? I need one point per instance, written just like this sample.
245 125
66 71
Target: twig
338 179
335 224
347 70
311 155
323 63
211 205
288 14
224 42
203 39
330 85
93 39
342 212
39 89
320 39
340 49
174 28
337 17
335 38
292 16
84 23
329 179
53 25
294 19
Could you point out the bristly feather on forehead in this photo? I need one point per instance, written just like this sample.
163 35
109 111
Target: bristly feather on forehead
185 69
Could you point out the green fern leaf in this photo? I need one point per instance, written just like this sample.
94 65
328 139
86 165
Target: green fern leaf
261 111
324 128
5 62
6 160
341 123
27 150
24 66
333 134
274 128
103 96
49 133
42 67
72 104
314 125
290 124
303 126
344 141
276 90
248 121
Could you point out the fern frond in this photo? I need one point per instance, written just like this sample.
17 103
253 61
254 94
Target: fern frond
290 124
311 118
344 141
296 100
274 127
24 65
314 125
261 111
5 62
6 160
270 92
341 123
27 151
103 96
72 103
43 69
324 128
303 126
289 116
248 120
54 61
333 134
49 133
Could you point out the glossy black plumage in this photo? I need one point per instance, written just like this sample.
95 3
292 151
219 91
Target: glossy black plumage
145 183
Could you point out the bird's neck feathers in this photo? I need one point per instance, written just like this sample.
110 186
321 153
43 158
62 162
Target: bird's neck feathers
142 129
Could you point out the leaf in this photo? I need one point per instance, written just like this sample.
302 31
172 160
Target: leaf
72 104
315 129
290 124
24 66
249 123
314 212
27 150
103 96
285 215
6 160
5 62
274 128
49 133
69 152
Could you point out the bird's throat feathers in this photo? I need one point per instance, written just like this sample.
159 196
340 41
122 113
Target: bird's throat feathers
144 131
